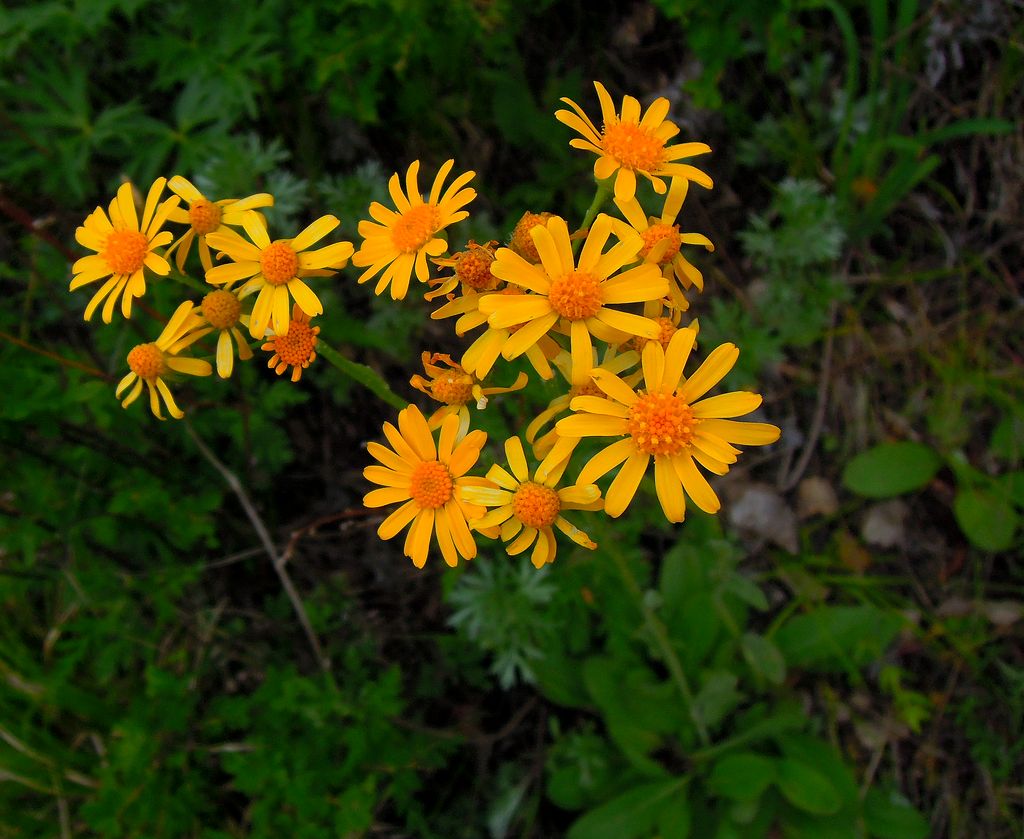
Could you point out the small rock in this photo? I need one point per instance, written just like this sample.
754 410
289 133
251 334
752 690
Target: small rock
759 510
815 497
883 524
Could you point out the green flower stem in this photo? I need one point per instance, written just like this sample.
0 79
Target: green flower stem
192 283
364 375
601 196
660 633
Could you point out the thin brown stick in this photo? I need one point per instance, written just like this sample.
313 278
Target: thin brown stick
24 218
231 479
814 432
67 362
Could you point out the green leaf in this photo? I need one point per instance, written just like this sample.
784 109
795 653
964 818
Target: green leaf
717 697
807 788
831 638
891 469
763 657
890 816
1011 487
987 521
742 776
748 591
632 814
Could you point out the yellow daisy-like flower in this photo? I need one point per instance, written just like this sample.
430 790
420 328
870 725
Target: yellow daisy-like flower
427 479
667 421
613 362
662 241
124 247
205 216
456 388
276 269
521 241
401 240
576 297
628 145
222 311
527 510
150 363
296 348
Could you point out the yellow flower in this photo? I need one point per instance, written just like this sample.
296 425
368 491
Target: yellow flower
124 248
628 145
222 311
521 241
150 363
526 510
613 362
667 422
205 216
662 241
276 269
296 348
401 241
426 478
576 297
455 388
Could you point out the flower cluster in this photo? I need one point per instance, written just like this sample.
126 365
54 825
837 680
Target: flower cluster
256 285
604 306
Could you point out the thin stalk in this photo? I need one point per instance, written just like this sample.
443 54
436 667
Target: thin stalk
67 362
231 479
660 633
601 195
362 374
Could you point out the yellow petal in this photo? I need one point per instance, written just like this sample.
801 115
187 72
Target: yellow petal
624 487
696 484
669 489
394 523
710 373
314 232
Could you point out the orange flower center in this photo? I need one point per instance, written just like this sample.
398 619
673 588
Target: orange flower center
633 147
416 227
125 251
655 234
535 505
521 241
221 308
473 267
452 388
431 485
661 423
576 295
204 216
296 348
668 329
279 263
147 362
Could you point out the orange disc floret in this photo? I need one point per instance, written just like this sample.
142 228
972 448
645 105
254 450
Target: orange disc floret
452 388
576 295
661 423
473 267
147 362
658 233
416 227
536 505
521 242
296 348
431 485
221 309
125 251
204 216
279 263
634 146
586 389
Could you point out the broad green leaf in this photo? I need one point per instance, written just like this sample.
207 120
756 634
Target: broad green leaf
763 657
806 788
891 469
833 638
742 776
748 591
986 520
890 816
717 697
1011 488
632 814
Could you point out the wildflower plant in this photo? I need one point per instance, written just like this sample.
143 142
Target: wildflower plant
604 303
